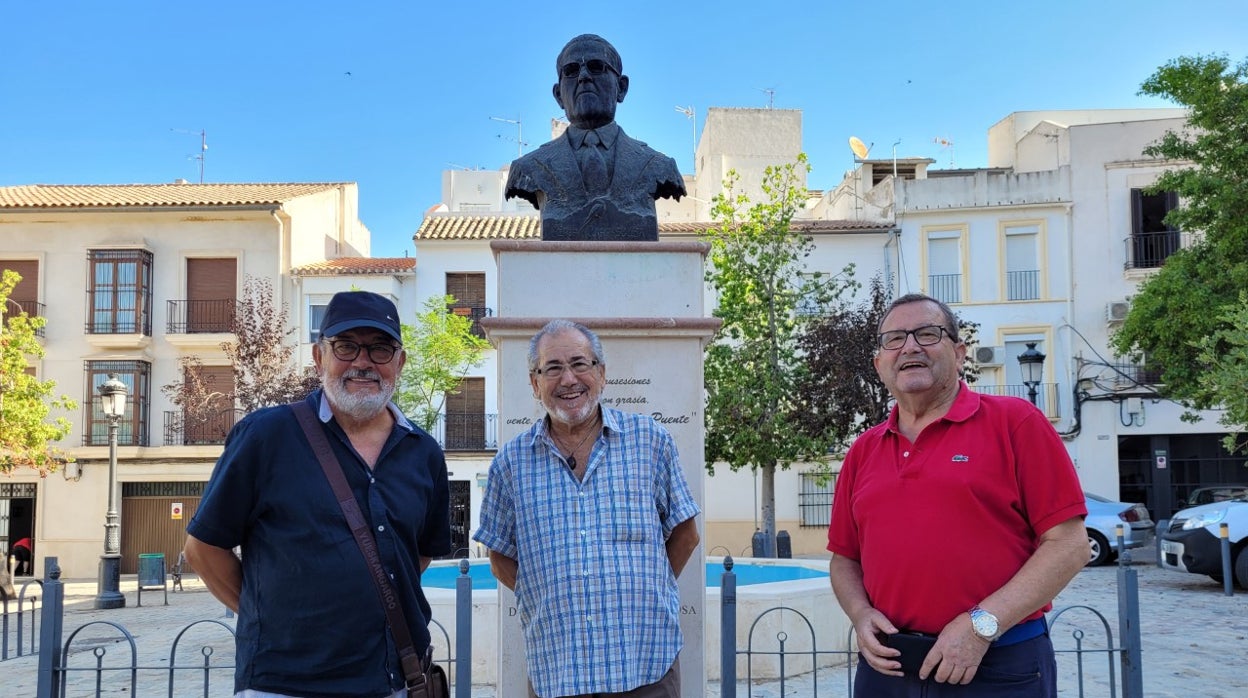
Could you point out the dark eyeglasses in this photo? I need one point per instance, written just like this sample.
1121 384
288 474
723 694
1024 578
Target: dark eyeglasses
593 65
925 336
553 371
346 350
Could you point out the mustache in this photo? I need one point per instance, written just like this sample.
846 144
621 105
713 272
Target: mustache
364 373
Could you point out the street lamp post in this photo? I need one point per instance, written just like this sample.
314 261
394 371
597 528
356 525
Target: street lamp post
113 404
1031 362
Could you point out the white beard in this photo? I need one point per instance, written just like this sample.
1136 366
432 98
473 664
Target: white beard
359 405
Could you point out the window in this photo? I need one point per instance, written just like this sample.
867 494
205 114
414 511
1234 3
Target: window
211 294
814 499
468 291
132 429
944 265
316 313
465 416
25 296
1152 240
1022 262
120 292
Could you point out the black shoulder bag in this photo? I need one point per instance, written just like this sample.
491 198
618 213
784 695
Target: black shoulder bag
424 678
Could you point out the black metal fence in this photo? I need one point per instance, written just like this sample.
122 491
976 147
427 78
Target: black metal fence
19 622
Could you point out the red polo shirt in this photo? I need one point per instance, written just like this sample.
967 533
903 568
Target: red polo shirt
940 524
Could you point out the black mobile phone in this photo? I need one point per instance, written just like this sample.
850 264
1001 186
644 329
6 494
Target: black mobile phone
914 648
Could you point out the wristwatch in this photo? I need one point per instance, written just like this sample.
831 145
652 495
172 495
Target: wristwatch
985 624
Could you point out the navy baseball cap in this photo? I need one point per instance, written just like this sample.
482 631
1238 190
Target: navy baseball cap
351 309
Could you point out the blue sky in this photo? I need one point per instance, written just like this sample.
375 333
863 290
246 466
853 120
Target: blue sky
390 94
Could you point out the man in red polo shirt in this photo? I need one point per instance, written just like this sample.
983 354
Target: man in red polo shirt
952 605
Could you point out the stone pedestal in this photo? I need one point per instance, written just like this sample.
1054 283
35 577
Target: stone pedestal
645 301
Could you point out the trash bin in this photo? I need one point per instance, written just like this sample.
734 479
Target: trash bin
784 546
152 574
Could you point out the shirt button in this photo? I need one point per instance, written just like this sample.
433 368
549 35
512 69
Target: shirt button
372 480
905 454
381 528
584 532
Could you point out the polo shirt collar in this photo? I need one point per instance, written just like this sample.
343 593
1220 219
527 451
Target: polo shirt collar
965 404
610 421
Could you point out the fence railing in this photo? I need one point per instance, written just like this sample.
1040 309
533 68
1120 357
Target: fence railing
466 431
19 626
197 317
61 674
208 429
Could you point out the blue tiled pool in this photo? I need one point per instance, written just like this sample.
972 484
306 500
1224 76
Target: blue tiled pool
444 577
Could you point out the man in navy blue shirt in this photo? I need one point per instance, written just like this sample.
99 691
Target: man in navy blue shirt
310 621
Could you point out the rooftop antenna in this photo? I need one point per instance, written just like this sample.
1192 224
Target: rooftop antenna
771 96
203 148
519 133
693 120
945 143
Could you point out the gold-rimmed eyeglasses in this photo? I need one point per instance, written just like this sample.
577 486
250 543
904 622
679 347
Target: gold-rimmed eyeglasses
555 370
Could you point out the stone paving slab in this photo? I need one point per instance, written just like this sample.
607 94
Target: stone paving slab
1195 641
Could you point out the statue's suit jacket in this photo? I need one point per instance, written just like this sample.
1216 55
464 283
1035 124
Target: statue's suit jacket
551 180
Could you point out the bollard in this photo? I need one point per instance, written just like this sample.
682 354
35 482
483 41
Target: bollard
50 629
1131 658
1228 580
728 631
1162 526
1124 556
463 632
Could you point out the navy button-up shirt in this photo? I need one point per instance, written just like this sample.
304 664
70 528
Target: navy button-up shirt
310 621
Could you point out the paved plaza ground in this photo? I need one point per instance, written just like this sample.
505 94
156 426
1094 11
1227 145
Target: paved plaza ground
1195 640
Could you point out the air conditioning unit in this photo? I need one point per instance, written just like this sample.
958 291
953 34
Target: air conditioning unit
1116 311
989 356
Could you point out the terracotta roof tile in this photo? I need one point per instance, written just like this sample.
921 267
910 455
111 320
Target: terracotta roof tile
122 195
357 265
443 226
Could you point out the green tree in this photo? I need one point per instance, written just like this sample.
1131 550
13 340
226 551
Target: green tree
1180 314
766 298
262 355
1225 355
26 432
441 349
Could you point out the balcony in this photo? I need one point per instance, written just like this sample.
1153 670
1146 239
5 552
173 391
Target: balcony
207 430
1135 375
467 431
1150 250
945 287
32 309
1022 285
475 314
201 317
1047 396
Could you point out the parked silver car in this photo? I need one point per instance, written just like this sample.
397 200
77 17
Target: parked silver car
1104 516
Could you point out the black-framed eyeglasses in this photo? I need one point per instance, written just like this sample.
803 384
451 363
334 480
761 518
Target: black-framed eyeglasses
595 67
346 350
553 371
925 336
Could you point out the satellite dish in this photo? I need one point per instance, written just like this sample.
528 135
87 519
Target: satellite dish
860 149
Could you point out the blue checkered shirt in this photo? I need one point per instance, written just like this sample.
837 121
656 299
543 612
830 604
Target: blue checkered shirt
595 591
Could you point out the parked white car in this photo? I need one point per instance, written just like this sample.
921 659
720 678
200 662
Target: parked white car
1193 541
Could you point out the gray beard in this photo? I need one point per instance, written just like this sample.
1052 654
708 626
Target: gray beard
358 406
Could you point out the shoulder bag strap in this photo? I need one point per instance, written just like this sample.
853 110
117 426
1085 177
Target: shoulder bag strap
413 666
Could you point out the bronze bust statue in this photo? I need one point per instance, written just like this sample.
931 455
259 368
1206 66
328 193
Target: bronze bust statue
594 182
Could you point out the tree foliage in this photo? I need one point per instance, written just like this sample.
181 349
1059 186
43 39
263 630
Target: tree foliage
26 430
842 394
1225 354
766 298
262 355
1178 319
441 349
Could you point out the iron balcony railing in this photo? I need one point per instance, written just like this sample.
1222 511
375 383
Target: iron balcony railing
1150 250
945 287
1022 285
32 309
466 431
199 317
208 429
1047 396
475 314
